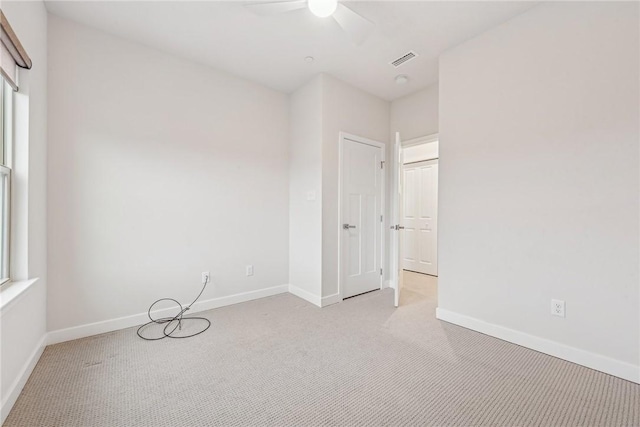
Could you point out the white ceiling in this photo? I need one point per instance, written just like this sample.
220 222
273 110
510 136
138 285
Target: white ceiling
271 49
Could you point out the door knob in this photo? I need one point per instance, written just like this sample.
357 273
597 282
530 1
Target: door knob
347 226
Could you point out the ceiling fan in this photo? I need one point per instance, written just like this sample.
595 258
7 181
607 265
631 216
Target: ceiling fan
357 26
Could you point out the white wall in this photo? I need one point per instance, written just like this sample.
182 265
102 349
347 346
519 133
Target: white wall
539 195
159 169
421 152
320 110
347 109
305 183
415 115
23 321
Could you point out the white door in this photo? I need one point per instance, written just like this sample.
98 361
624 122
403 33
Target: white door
361 217
396 235
420 217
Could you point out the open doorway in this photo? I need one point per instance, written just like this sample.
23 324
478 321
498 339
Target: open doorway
414 230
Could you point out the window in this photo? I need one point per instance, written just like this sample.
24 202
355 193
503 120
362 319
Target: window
12 57
6 109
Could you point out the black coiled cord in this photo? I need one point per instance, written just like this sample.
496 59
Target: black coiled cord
176 321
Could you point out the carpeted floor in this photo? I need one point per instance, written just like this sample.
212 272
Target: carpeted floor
280 361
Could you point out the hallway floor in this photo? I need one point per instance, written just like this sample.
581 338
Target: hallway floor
418 288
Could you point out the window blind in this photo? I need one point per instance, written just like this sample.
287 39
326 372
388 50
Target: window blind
12 54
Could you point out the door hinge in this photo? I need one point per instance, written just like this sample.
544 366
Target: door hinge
380 218
381 272
382 164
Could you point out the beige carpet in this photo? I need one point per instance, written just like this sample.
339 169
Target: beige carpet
280 361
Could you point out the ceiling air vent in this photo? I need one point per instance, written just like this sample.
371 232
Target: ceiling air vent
404 58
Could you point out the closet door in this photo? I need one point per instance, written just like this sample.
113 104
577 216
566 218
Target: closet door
420 217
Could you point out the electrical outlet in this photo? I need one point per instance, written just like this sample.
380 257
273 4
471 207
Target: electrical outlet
249 270
205 277
557 307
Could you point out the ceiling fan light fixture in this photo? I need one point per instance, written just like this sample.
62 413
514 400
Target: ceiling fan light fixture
322 8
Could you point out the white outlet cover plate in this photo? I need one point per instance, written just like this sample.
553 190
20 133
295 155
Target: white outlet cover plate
557 307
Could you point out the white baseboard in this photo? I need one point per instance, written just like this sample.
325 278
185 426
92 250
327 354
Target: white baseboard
96 328
331 299
17 386
238 298
305 295
388 284
591 360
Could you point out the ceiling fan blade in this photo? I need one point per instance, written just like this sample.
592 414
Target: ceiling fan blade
273 8
357 26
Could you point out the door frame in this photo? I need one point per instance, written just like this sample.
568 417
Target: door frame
395 261
344 136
